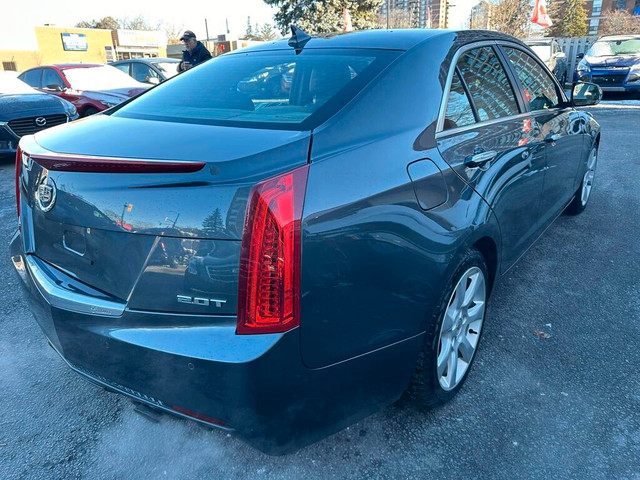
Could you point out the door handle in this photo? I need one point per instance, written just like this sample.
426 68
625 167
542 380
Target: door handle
552 137
479 159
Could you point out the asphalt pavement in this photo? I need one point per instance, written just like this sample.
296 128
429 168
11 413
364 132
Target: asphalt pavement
566 406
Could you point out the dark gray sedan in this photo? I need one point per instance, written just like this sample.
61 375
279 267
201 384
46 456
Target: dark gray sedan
281 264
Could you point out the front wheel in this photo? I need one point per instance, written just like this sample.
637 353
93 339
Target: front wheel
450 345
581 198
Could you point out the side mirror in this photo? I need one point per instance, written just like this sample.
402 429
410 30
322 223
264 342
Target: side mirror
55 88
580 56
153 80
560 55
584 93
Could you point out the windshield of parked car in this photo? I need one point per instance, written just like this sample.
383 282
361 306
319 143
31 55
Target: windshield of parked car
276 89
168 69
543 51
604 48
99 78
10 85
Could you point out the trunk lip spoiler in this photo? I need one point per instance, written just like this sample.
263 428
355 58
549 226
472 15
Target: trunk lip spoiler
58 161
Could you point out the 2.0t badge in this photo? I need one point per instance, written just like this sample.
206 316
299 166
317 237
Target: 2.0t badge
46 194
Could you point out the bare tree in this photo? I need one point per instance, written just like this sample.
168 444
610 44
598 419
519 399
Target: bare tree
267 33
512 17
398 18
173 32
139 22
619 22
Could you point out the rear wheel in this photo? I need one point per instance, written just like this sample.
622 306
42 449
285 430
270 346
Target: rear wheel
583 193
451 343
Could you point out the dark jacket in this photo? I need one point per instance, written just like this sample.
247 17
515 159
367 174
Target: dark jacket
195 57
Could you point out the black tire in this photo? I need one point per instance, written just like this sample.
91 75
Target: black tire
578 204
89 111
426 388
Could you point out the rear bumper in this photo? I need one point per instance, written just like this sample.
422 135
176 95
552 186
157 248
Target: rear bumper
196 366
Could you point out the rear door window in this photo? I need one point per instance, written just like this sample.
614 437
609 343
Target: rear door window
459 111
276 89
488 84
32 78
124 67
539 90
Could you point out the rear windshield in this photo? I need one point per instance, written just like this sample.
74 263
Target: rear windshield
276 89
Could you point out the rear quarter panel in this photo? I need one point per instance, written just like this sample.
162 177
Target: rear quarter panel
375 263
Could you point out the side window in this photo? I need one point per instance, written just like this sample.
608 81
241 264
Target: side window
141 72
538 88
488 84
51 78
32 78
459 112
124 67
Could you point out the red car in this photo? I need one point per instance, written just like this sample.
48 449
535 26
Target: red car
90 87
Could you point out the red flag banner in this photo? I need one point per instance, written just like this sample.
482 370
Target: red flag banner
541 15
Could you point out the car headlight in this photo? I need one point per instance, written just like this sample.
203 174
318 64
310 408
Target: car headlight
70 110
109 104
583 67
634 73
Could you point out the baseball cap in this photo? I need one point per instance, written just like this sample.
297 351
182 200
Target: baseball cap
187 34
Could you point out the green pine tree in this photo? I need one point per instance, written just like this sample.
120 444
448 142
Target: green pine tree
317 17
213 222
569 19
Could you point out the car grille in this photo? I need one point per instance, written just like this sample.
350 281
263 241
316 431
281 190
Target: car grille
609 79
221 274
28 126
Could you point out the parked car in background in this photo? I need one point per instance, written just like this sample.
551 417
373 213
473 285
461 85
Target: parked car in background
548 50
24 111
92 88
330 247
613 62
148 70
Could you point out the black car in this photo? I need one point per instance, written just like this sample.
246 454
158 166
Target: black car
149 70
24 111
283 263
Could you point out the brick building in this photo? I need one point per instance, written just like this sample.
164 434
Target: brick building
597 11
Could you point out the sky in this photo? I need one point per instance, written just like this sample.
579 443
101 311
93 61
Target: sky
17 21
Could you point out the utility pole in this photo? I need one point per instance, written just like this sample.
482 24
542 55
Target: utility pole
206 28
387 14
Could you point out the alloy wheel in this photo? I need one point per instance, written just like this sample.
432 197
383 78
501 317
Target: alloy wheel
461 327
587 181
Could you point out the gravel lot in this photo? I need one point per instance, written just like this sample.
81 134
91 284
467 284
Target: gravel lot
560 407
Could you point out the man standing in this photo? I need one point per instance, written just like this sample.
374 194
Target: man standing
195 54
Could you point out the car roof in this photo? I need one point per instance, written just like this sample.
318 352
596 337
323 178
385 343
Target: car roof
619 37
403 39
538 40
147 60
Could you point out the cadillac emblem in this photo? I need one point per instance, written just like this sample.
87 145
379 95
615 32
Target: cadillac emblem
46 194
41 121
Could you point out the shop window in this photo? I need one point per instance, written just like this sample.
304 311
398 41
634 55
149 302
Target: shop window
9 66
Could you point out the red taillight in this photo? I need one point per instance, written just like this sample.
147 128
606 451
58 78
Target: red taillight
269 283
18 165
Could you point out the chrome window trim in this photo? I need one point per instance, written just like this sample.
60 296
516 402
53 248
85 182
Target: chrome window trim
484 123
445 95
